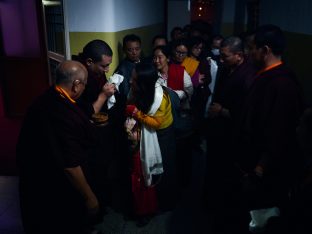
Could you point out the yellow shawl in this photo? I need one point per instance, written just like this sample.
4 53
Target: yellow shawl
190 65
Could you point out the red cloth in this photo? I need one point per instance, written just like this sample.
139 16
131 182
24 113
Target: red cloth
130 109
144 198
176 77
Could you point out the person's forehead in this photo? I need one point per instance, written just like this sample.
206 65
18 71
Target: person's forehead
130 44
216 41
226 50
181 47
160 40
198 45
158 52
106 59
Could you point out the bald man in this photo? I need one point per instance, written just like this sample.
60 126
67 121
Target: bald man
53 146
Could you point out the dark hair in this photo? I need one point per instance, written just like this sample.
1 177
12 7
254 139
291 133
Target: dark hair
177 43
130 37
164 49
95 50
217 37
147 76
193 41
175 29
235 44
271 36
159 36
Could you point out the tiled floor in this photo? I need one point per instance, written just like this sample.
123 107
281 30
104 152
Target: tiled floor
188 217
10 221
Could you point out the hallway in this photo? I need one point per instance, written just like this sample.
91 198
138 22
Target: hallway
188 217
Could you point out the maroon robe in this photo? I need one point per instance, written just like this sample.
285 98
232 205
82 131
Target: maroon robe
55 135
268 134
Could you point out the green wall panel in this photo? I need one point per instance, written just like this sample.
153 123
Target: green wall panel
79 39
297 55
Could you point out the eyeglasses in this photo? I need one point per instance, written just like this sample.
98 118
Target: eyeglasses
181 53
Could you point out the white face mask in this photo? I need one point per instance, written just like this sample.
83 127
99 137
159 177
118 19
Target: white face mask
215 52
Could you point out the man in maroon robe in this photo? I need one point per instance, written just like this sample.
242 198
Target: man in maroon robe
52 151
223 117
111 161
268 151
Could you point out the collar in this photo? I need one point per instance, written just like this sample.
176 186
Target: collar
269 67
64 94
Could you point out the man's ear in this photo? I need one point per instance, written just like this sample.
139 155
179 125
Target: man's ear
75 86
240 55
266 49
89 61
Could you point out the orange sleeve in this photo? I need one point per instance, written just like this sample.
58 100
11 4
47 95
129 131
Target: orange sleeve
150 121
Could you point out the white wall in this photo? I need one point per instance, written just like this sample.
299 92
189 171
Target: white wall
113 15
178 14
292 16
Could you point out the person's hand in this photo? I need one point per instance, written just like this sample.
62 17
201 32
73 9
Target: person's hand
92 205
94 214
131 110
201 79
108 89
259 171
214 110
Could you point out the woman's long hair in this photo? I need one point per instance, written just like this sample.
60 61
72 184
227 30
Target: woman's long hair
144 91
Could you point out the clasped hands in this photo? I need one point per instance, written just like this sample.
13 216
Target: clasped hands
214 110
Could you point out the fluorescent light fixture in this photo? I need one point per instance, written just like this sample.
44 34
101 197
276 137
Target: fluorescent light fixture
51 3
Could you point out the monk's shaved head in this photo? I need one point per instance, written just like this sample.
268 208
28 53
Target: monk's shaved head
68 71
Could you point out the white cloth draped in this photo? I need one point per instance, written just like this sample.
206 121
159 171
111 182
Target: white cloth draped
213 72
259 218
149 147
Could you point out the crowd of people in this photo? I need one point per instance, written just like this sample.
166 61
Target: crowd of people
233 98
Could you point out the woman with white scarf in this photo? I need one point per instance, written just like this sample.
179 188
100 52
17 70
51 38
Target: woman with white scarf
154 143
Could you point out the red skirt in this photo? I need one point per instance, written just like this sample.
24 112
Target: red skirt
144 198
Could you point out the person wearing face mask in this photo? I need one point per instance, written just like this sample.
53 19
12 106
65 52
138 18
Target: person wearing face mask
214 53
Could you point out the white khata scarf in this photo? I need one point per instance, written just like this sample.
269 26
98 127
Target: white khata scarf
150 154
